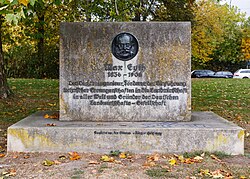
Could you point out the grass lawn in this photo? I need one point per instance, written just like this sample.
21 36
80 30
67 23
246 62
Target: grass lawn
30 95
230 98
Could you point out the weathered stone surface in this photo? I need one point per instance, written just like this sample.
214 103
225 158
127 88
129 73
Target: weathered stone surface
152 86
206 132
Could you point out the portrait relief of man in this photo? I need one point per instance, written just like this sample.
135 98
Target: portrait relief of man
124 46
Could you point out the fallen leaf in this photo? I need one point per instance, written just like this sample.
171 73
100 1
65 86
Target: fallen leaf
106 158
247 134
122 155
243 177
215 158
149 164
15 156
10 172
46 116
117 162
219 175
205 172
94 171
74 156
52 104
62 157
154 157
172 161
165 167
181 158
164 157
51 124
198 159
94 162
129 156
238 117
26 156
53 116
189 161
57 162
48 162
192 177
2 155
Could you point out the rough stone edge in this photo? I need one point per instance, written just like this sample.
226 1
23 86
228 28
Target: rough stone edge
25 131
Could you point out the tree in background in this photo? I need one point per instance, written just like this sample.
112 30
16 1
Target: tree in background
174 10
216 35
37 51
43 24
245 43
11 11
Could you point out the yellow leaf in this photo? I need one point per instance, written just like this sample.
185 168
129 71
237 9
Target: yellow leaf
106 158
50 104
62 157
46 116
181 158
122 155
48 163
205 172
243 177
24 2
53 116
172 161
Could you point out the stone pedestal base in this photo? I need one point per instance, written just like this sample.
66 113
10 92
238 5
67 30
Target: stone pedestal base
206 132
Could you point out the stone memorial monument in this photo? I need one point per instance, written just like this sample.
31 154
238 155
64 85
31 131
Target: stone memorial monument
125 72
127 87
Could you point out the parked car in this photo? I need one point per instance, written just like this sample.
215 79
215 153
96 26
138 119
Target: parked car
202 74
242 73
223 74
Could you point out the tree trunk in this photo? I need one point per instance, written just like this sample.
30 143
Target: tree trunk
40 45
4 88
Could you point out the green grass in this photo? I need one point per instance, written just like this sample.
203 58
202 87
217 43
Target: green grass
229 98
157 172
218 154
30 95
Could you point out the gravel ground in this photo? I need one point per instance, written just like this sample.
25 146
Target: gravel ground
59 165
